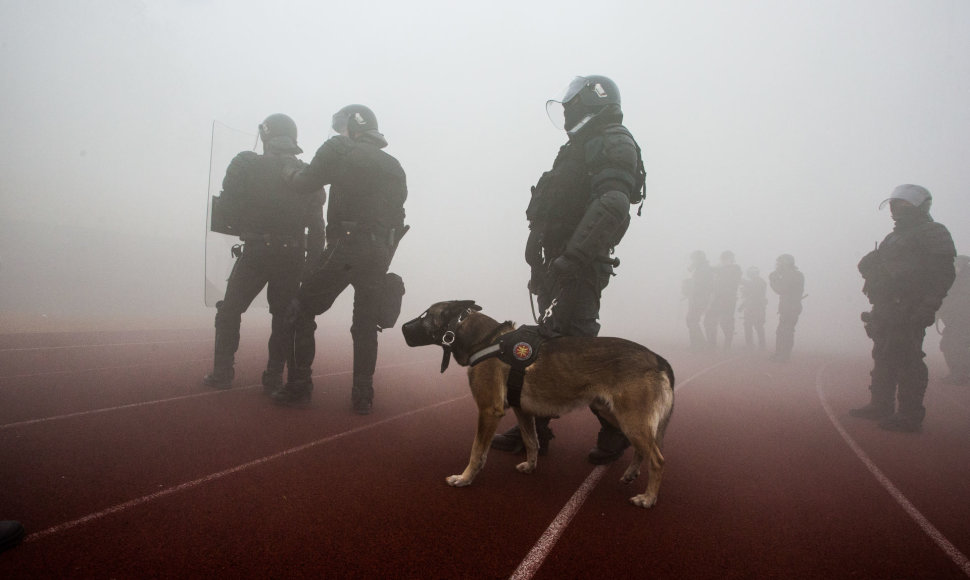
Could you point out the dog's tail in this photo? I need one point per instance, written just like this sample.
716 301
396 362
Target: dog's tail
664 367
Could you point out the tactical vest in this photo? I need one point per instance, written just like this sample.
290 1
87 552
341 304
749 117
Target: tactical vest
259 201
370 188
560 198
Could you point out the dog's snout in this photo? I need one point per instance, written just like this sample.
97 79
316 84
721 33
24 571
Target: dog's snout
415 334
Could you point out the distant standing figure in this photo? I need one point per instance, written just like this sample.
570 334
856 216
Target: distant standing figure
955 314
720 314
754 304
906 278
789 284
698 290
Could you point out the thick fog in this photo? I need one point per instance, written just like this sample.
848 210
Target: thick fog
767 127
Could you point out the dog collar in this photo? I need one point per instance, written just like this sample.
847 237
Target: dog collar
448 337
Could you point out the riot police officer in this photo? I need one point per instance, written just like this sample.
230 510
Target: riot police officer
698 290
365 217
578 212
955 315
724 299
754 303
788 283
279 228
906 278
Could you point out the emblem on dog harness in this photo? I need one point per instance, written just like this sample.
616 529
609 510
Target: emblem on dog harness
519 349
522 351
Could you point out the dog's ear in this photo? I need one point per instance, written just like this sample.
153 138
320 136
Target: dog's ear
463 304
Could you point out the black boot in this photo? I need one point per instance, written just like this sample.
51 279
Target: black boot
610 445
219 378
272 378
511 440
297 390
904 422
362 394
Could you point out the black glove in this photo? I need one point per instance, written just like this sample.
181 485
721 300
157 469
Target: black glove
565 266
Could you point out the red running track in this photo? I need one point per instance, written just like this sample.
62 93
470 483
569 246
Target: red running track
120 464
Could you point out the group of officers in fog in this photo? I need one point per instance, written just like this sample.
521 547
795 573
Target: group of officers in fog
712 294
913 279
577 213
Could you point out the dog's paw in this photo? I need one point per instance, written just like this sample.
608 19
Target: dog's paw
630 476
458 481
643 500
526 467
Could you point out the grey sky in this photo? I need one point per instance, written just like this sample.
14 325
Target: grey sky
766 126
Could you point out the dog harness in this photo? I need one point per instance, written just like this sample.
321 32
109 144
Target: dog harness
518 349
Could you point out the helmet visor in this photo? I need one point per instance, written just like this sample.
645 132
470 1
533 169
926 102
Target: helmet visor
339 122
557 114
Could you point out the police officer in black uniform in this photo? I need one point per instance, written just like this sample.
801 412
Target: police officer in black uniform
788 283
698 290
753 307
579 211
280 228
365 221
720 314
906 278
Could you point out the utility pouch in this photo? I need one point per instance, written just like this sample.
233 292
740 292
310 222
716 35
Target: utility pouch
389 307
222 221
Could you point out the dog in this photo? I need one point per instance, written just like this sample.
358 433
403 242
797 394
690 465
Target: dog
629 385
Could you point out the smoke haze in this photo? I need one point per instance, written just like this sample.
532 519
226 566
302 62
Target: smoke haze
767 127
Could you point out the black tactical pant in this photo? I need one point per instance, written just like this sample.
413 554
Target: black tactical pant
695 312
577 300
754 324
898 368
720 315
359 260
577 307
270 264
785 333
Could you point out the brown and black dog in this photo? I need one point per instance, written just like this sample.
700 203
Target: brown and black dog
625 382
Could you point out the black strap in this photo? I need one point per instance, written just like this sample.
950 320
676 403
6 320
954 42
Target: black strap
513 386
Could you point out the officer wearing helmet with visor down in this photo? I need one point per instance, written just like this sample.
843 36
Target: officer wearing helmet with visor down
579 211
906 278
280 230
365 222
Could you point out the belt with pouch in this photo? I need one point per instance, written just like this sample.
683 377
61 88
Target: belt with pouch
273 240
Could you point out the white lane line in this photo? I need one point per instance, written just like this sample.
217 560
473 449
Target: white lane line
955 554
96 369
208 393
214 476
105 345
534 559
537 555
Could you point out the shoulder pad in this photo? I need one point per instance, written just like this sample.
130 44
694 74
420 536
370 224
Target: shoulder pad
340 144
246 157
936 239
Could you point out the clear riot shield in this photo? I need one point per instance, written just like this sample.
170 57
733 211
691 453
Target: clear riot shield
226 144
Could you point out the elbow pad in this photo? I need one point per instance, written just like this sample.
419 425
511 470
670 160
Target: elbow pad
602 227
